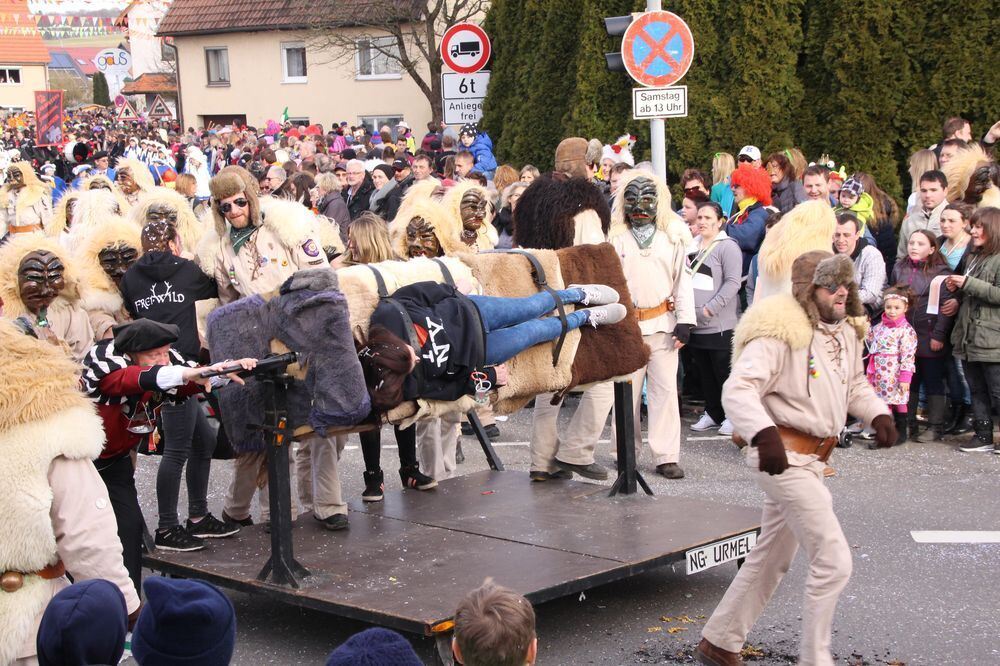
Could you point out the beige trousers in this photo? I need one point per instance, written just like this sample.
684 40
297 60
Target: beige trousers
239 497
437 442
317 475
313 464
663 418
798 512
577 443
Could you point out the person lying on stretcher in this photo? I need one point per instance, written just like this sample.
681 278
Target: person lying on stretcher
447 344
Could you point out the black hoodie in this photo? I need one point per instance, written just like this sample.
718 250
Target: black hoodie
164 287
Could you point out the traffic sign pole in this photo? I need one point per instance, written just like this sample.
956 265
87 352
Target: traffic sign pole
657 130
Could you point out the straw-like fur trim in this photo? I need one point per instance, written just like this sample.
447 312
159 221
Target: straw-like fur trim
960 169
666 219
34 190
809 226
189 227
11 254
447 229
97 290
487 236
140 172
58 223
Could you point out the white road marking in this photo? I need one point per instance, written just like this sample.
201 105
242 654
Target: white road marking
955 536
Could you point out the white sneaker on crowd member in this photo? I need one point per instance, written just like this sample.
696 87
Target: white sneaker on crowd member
726 428
706 422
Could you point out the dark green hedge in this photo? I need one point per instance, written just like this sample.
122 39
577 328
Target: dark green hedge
867 82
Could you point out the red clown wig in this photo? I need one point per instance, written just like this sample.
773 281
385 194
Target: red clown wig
754 181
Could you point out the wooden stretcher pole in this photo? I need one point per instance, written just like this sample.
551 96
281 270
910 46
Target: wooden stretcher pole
628 474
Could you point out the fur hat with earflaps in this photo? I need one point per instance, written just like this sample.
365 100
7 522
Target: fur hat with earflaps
822 269
230 181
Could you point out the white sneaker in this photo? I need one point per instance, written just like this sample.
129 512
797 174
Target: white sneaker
706 422
603 315
726 428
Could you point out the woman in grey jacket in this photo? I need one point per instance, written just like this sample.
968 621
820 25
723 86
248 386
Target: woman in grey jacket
716 266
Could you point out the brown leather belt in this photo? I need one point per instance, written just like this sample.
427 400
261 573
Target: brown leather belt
23 229
12 581
656 311
800 442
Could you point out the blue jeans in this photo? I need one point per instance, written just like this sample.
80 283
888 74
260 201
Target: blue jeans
958 388
513 325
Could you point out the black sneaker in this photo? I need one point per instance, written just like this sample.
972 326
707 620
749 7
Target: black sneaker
539 476
177 539
459 453
245 522
337 521
493 432
412 477
211 527
374 487
467 429
591 471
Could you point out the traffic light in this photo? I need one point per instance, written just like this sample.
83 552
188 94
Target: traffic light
616 27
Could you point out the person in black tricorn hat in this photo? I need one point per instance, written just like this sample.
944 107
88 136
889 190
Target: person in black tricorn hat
101 166
128 376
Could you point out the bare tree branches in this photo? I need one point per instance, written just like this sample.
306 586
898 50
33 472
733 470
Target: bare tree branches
405 33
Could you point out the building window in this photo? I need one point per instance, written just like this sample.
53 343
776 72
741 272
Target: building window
166 51
374 123
217 62
10 76
293 62
374 61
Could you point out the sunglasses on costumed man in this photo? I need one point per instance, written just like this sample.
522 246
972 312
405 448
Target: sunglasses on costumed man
238 203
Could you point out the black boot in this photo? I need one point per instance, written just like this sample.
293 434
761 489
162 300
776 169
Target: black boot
901 429
936 405
412 477
982 440
963 421
373 487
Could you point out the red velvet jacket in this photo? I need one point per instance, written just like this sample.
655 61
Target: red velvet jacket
130 381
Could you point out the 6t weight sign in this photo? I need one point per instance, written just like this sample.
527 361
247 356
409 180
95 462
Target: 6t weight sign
462 96
464 86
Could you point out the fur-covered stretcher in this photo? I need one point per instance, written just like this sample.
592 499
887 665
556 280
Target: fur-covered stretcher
587 355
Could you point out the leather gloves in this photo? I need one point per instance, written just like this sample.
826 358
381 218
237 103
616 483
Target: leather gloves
682 332
771 451
885 431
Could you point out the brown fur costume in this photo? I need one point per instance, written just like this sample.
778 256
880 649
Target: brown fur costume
589 264
531 371
544 215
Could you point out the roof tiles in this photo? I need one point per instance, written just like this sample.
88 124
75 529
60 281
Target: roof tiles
192 17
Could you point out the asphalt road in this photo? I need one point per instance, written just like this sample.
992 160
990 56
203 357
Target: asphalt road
907 603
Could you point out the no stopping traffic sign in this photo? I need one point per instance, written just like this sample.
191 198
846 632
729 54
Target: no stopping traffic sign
465 48
657 49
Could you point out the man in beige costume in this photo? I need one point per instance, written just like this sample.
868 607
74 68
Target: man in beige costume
259 244
25 201
796 375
